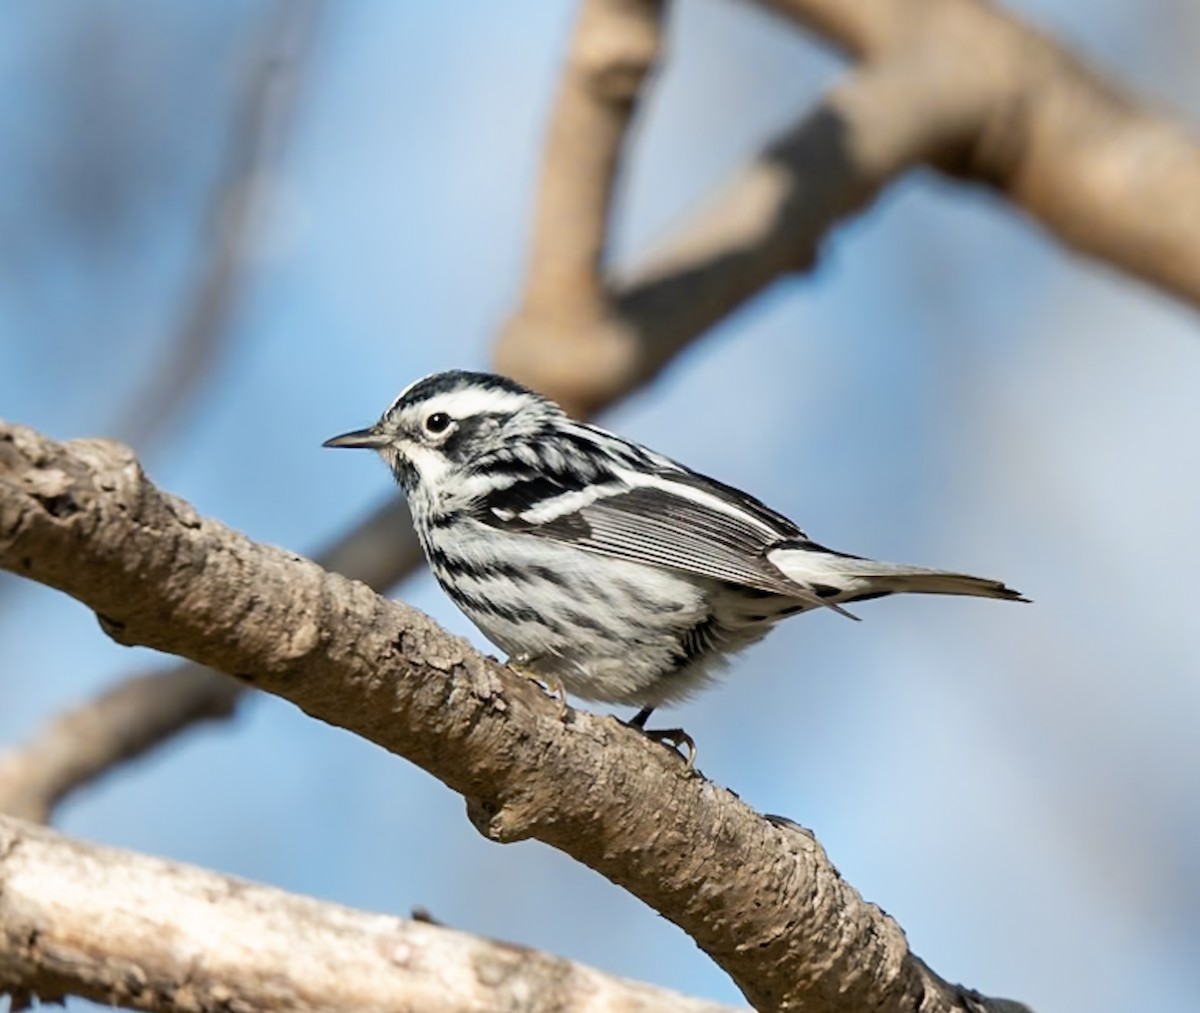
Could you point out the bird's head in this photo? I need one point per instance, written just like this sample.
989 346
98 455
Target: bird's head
452 424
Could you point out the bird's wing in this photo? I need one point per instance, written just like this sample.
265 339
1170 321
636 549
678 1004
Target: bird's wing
676 520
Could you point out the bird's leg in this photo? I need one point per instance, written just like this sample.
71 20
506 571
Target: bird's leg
674 737
521 664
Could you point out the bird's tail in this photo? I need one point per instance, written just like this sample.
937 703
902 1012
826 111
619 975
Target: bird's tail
857 579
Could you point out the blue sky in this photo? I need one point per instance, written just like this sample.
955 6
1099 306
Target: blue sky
1016 785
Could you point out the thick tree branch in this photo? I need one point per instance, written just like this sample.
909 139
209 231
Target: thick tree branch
140 713
762 899
140 932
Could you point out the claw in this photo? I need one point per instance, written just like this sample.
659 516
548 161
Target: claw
674 737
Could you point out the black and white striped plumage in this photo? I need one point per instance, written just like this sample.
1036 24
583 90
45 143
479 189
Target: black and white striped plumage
595 562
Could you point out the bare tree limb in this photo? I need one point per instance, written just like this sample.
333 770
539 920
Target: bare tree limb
766 222
771 218
761 898
955 84
615 48
143 933
1103 172
563 338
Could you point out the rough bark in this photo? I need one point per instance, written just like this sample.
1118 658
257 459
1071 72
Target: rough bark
759 896
139 713
143 933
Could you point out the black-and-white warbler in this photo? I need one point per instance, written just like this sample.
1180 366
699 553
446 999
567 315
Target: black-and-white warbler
595 563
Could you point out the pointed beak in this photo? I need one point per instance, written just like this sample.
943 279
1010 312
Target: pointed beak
367 439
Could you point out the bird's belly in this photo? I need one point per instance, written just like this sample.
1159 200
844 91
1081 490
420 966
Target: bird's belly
607 629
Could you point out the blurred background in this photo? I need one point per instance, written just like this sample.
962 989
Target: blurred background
225 276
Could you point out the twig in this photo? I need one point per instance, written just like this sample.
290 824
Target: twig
762 900
140 932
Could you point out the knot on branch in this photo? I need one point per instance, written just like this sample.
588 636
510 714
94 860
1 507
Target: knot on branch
504 822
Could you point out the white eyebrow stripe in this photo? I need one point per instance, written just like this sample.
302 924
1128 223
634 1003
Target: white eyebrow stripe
461 404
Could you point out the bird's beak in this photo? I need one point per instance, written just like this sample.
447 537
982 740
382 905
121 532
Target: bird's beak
368 439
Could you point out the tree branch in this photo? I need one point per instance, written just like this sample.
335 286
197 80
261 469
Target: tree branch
140 713
140 932
614 49
769 220
955 84
563 339
1104 173
80 745
761 898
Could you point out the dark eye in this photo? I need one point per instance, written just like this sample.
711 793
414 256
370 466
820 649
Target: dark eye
438 422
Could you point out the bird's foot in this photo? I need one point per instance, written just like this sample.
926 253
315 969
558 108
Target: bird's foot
549 683
676 738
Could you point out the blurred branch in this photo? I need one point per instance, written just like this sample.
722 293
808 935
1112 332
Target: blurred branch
612 53
263 116
772 217
134 931
1104 173
759 896
954 84
586 339
78 746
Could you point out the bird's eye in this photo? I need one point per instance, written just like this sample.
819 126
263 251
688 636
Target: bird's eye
438 422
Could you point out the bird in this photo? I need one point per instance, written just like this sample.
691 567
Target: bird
600 567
